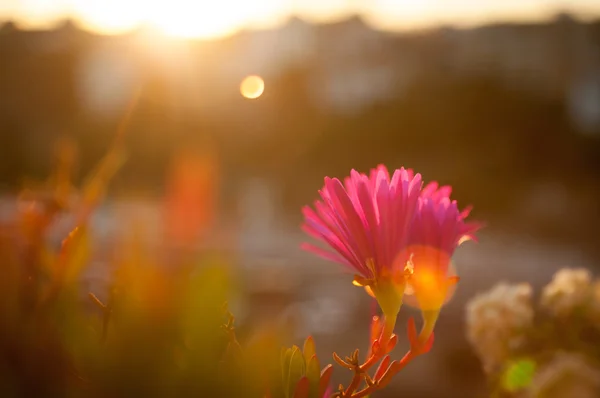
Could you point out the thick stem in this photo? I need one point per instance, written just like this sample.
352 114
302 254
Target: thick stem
354 384
430 318
386 333
388 329
384 338
365 392
394 368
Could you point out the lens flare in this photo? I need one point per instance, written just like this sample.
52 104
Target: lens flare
252 87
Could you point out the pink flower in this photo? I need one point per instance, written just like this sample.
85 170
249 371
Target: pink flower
436 231
365 222
438 221
381 228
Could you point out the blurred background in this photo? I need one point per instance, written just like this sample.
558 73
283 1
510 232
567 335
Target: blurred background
237 110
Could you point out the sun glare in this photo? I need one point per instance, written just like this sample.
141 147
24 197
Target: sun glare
109 16
182 18
429 278
252 87
176 18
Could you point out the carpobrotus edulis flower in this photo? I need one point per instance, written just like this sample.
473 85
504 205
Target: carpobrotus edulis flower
438 228
390 232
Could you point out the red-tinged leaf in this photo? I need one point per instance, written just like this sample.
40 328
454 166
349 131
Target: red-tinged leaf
412 332
392 343
302 388
376 327
383 367
329 392
375 347
309 348
325 379
385 379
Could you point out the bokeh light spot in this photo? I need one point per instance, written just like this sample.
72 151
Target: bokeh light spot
252 87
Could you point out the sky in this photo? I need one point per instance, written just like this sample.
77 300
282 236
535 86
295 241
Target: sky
214 18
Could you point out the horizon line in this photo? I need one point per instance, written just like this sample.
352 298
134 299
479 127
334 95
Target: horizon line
544 18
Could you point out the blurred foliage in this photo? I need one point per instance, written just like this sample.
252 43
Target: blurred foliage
518 375
160 324
545 350
301 372
158 329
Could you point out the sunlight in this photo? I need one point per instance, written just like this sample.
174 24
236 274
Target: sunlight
399 14
182 18
252 87
109 16
177 18
203 19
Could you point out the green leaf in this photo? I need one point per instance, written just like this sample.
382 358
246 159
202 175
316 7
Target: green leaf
313 372
282 355
286 357
309 348
518 374
297 369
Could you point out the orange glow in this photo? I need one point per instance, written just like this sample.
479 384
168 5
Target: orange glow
252 87
432 285
178 18
185 18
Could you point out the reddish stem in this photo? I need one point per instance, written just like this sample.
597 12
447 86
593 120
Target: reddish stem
353 384
384 338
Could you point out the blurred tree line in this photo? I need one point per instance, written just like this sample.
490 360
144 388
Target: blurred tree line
490 141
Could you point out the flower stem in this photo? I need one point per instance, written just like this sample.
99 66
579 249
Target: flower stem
384 338
388 329
430 318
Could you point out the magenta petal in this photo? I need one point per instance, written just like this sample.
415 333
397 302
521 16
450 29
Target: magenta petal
350 218
429 189
375 218
382 195
466 211
365 198
325 254
314 227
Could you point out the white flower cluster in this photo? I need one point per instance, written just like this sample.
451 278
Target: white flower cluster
497 320
566 375
570 289
594 313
